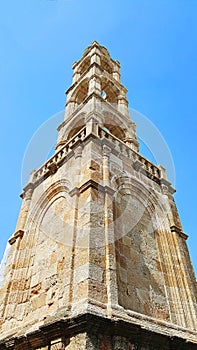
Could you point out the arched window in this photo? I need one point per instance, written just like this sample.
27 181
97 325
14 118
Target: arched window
74 129
83 67
81 92
115 130
109 90
106 65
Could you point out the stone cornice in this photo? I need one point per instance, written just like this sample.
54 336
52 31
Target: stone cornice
17 234
93 324
168 185
175 229
52 165
29 187
91 184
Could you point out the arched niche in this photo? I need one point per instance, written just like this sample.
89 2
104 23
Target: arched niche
49 234
106 64
58 189
139 275
75 126
84 65
110 89
115 130
114 125
57 222
81 92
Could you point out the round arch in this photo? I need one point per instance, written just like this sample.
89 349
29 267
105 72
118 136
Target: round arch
130 187
59 188
115 125
110 89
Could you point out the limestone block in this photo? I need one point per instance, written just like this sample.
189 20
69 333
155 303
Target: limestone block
81 291
20 311
89 270
50 282
77 342
35 280
97 258
38 301
10 308
98 291
81 256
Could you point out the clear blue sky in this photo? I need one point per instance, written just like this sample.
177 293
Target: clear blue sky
156 43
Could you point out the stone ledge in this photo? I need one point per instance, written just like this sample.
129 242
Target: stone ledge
166 184
178 230
92 184
96 325
17 234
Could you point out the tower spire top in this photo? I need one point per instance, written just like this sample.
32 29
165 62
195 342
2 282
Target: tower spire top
97 90
96 73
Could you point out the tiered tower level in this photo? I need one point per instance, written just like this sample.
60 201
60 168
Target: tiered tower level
98 260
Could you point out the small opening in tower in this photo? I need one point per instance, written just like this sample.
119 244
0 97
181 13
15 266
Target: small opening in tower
106 129
103 94
115 130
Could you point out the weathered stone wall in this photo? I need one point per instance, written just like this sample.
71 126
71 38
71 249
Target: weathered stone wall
140 279
93 234
151 255
98 233
60 260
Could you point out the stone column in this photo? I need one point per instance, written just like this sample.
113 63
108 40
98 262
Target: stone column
123 104
70 106
92 125
76 74
75 199
116 71
95 58
26 200
111 280
94 85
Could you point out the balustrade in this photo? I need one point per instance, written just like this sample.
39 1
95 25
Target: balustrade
52 164
120 146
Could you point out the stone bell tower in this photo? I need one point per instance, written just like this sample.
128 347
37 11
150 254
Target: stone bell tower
98 260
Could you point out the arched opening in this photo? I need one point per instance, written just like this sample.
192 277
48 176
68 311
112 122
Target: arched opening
137 252
103 94
115 130
106 65
83 67
114 125
75 128
81 92
109 91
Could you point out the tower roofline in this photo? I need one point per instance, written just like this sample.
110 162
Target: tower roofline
103 50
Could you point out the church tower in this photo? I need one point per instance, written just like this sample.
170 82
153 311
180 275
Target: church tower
98 260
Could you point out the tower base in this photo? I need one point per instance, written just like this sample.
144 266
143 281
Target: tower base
92 332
